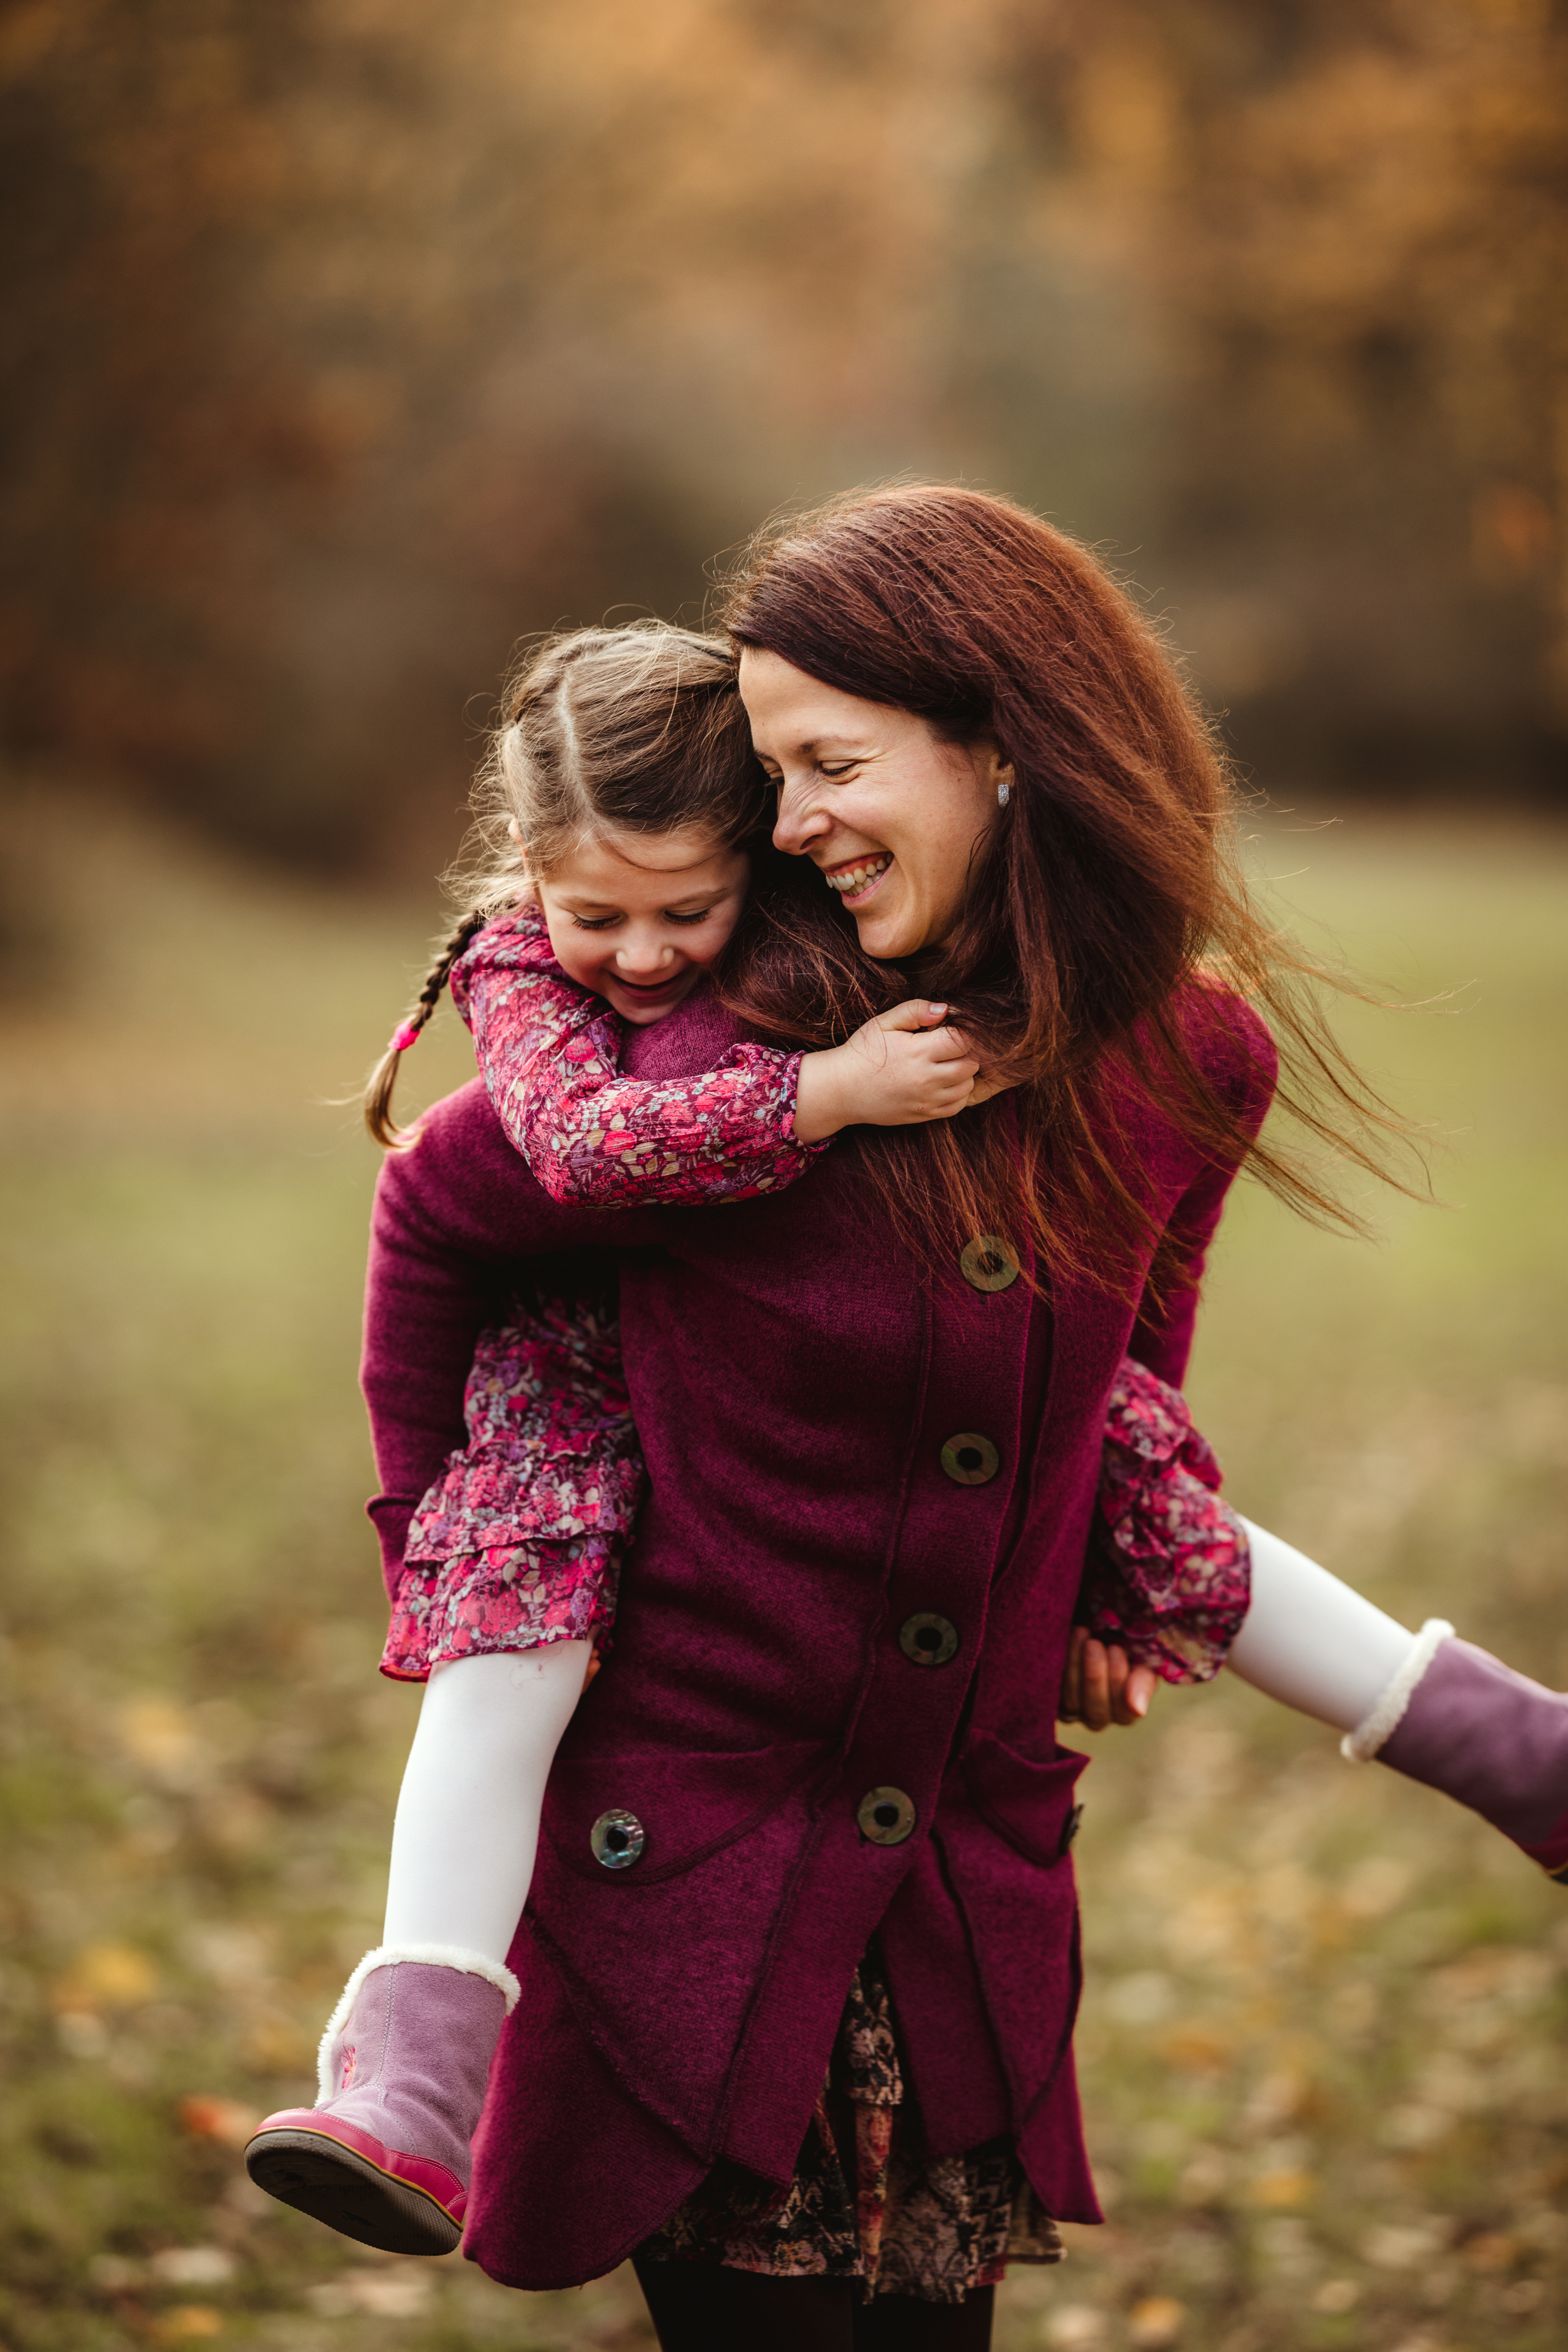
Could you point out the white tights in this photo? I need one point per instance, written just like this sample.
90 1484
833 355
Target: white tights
467 1814
1310 1641
468 1817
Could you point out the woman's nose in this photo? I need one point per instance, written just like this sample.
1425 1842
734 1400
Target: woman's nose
799 823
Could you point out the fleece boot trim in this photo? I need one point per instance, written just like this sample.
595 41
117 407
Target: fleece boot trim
382 2156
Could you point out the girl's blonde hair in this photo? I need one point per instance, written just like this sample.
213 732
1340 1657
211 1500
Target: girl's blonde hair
634 729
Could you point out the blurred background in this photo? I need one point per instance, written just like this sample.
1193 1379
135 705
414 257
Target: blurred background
349 339
346 342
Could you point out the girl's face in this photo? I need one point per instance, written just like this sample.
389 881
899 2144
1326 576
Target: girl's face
888 812
638 917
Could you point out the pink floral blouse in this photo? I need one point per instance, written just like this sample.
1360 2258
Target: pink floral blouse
1169 1573
518 1541
550 1053
552 1452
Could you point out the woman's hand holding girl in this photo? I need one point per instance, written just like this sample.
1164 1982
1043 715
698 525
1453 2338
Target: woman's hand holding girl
900 1070
1099 1686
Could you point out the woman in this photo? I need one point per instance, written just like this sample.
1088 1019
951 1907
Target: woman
856 1439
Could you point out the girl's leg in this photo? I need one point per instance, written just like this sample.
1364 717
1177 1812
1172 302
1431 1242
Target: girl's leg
1437 1709
382 2156
467 1815
1310 1641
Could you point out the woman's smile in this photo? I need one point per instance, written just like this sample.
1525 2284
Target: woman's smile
857 878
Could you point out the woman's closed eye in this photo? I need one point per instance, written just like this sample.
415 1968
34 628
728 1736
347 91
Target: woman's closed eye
686 916
833 771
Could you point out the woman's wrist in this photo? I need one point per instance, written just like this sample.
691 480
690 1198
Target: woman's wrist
821 1096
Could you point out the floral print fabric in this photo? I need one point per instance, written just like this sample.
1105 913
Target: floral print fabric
500 1600
550 1054
865 2203
551 1449
518 1541
1169 1573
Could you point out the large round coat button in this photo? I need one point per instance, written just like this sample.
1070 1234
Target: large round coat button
886 1816
928 1640
970 1460
617 1839
987 1263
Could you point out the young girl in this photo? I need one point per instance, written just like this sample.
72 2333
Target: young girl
626 786
628 794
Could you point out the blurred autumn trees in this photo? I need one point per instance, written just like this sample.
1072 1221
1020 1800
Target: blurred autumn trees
1367 251
348 339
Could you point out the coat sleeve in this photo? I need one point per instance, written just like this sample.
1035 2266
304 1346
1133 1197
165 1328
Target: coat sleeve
1242 1058
456 1220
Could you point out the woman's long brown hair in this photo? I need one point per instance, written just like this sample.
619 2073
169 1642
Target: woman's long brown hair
1104 904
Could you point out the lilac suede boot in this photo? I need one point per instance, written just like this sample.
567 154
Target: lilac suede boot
382 2156
1455 1718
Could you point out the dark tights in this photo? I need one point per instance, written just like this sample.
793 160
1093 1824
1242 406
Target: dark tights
702 2308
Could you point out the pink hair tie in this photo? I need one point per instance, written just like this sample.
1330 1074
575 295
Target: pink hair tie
403 1036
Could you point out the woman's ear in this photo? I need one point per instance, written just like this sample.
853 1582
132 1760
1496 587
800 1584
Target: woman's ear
993 769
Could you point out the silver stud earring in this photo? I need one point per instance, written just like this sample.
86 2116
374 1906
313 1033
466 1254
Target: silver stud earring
1004 794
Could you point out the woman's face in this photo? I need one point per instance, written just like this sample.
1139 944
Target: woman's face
889 814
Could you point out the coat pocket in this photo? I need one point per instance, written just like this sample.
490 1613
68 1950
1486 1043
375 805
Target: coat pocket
1029 1801
645 1815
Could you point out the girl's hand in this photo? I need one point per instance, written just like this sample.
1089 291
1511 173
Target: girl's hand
1099 1686
900 1070
983 1088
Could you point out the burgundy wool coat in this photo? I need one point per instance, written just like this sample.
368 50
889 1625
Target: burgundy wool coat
795 1385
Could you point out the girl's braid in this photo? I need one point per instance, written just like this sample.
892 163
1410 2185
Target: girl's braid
383 1077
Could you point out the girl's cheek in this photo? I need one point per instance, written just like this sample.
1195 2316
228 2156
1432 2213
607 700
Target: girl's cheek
578 953
706 947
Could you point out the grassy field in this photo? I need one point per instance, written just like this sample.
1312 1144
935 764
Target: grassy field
1321 2045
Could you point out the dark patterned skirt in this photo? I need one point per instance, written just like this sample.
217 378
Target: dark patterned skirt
866 2203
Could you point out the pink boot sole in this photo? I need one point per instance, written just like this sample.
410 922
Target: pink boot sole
341 2176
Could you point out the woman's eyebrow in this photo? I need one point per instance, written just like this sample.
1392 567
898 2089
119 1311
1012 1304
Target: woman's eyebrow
812 747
